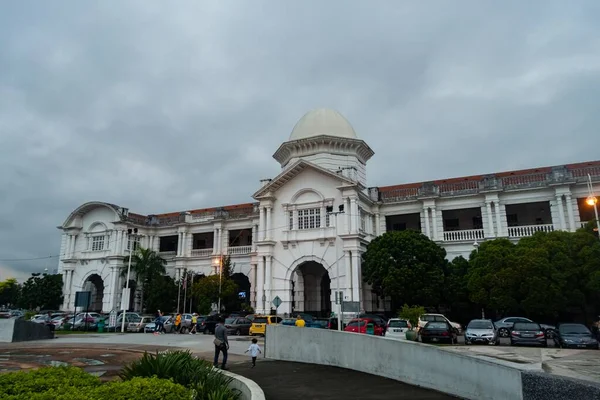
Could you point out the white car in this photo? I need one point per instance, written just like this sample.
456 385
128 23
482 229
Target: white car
396 328
425 318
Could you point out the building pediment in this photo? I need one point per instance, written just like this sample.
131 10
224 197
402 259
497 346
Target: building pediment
294 170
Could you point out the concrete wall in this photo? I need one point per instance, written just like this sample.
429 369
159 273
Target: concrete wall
12 330
248 388
409 362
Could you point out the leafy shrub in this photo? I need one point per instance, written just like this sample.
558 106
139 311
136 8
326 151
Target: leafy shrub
412 314
71 383
142 389
184 369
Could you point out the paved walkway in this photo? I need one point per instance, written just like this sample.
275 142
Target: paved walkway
283 380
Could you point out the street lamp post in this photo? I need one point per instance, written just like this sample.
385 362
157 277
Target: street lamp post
220 266
476 245
126 294
593 201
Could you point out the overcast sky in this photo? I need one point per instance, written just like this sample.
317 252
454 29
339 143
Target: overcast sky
166 108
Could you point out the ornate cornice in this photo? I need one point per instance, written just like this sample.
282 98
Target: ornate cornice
323 144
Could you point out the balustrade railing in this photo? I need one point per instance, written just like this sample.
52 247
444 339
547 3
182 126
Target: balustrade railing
201 252
464 235
459 187
236 250
528 230
167 253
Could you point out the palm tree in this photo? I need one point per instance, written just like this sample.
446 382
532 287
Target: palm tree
146 264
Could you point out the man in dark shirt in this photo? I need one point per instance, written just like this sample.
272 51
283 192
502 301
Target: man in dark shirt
221 344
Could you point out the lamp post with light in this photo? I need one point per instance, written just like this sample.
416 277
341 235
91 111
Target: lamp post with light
593 201
219 265
476 245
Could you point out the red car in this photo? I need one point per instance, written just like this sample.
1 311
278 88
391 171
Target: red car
359 325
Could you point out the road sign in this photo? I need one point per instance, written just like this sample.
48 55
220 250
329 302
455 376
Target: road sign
351 306
276 301
83 299
112 318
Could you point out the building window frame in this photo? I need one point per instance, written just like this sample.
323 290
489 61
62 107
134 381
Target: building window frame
97 242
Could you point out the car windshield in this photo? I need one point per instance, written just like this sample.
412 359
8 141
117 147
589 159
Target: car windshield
480 325
526 326
427 317
436 325
573 329
398 323
357 323
230 320
260 320
136 319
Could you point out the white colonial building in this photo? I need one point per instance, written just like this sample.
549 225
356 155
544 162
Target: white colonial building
290 244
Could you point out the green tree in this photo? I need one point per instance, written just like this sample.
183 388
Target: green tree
42 291
10 293
161 294
407 266
147 266
206 290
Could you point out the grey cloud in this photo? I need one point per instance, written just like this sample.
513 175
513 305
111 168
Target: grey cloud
160 108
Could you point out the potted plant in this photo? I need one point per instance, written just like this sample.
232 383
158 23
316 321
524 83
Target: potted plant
412 314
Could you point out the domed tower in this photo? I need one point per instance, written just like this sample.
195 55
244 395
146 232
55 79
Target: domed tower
325 138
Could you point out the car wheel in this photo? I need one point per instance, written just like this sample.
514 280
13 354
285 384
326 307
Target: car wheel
238 332
503 332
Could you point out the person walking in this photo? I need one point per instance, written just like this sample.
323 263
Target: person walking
178 323
221 344
254 350
194 323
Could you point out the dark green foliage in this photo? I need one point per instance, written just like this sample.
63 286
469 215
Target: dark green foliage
161 294
143 389
147 267
184 369
10 293
42 291
46 381
406 266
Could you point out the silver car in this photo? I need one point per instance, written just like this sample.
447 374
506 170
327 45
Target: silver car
481 331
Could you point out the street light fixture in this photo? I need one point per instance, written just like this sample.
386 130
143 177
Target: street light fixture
219 264
593 201
126 295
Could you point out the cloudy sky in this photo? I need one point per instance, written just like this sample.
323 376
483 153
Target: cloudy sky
165 106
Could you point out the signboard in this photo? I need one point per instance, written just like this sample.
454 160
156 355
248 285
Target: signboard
112 318
82 299
351 306
125 299
276 301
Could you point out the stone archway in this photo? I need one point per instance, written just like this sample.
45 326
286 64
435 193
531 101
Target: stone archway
243 291
95 284
311 289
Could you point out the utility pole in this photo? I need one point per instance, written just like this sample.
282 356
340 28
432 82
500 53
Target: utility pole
126 295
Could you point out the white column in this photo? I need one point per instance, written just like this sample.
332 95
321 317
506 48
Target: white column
570 214
490 218
260 285
215 241
561 212
124 238
220 247
178 244
356 276
68 248
377 224
268 227
261 221
323 213
348 212
426 214
434 220
252 278
254 238
353 215
268 283
499 230
348 277
295 219
226 241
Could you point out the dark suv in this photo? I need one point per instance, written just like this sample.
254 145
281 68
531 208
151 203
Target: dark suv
208 324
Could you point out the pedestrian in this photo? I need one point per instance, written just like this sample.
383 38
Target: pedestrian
178 323
221 344
254 350
194 323
300 322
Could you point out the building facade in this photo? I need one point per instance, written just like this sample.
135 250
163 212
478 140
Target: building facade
303 237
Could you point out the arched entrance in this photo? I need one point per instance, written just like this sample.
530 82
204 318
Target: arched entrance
243 291
311 289
95 285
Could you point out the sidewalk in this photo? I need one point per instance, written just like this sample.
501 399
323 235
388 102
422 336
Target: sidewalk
282 380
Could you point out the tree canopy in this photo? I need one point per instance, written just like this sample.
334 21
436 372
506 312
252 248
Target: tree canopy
146 266
43 291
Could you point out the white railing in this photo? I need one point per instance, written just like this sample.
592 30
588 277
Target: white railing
528 230
201 252
465 235
167 253
239 250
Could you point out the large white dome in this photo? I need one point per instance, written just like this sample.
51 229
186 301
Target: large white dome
322 121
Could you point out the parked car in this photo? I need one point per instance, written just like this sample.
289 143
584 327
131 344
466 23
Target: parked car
438 332
238 326
129 317
397 327
359 325
259 324
575 336
207 326
481 331
528 333
289 322
425 318
167 323
138 324
505 325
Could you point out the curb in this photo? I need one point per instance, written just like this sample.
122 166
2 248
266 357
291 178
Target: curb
249 389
